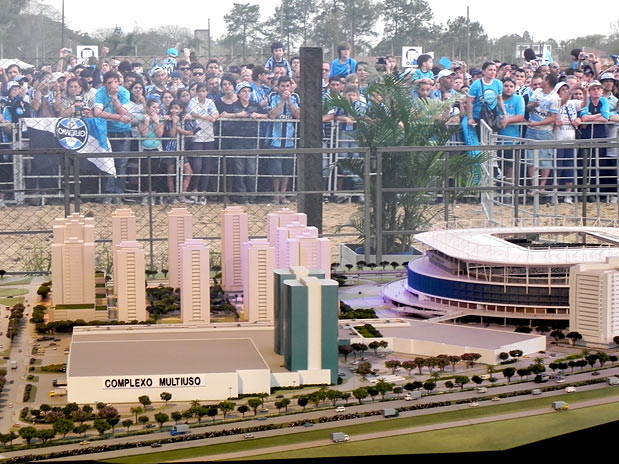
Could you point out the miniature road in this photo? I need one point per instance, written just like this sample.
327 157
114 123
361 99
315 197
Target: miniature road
369 436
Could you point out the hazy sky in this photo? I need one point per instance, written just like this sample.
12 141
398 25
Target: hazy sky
562 20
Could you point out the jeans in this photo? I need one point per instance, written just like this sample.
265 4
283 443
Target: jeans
117 184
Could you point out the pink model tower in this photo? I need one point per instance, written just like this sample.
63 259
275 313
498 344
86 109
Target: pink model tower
282 218
258 263
129 277
73 260
291 230
195 279
123 230
179 230
311 252
234 232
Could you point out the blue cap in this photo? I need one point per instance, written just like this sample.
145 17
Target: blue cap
173 51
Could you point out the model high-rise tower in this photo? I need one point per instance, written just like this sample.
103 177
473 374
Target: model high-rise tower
310 251
310 309
282 218
179 230
130 290
234 232
195 290
258 262
73 260
123 230
291 230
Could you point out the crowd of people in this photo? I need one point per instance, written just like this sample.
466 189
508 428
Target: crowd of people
175 106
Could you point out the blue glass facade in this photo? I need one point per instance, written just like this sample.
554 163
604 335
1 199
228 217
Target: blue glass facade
488 293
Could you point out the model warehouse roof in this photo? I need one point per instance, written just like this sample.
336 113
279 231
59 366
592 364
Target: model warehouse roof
488 246
173 352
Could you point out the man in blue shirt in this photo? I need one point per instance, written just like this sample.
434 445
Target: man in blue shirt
111 103
283 104
277 58
514 113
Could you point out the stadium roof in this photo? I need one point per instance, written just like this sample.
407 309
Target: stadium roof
488 245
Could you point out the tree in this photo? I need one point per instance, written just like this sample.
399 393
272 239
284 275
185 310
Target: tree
508 373
430 363
383 387
145 401
80 416
345 350
542 329
477 379
592 359
574 337
165 396
461 381
333 396
212 412
490 369
143 420
113 421
161 418
393 364
303 401
557 335
63 426
416 385
374 346
524 329
46 435
523 372
2 273
200 412
254 403
242 25
454 359
127 423
364 368
360 394
285 402
429 385
419 362
137 410
405 21
516 353
603 358
226 407
81 429
503 356
442 361
101 426
409 366
372 391
243 408
28 433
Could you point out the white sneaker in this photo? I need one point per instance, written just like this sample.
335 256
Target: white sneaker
568 200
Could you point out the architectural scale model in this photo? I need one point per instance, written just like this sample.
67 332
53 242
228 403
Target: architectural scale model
179 230
258 264
195 282
130 290
234 232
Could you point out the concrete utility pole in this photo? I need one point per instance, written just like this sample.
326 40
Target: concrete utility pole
310 166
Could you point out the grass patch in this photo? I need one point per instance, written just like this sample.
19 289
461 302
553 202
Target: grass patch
25 281
75 306
391 424
12 301
494 436
12 291
33 394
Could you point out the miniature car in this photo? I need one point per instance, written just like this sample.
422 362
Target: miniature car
85 442
308 424
248 435
570 389
156 445
595 373
474 404
496 398
340 409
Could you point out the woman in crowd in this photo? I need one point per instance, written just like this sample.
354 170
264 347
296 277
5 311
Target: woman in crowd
565 129
486 90
72 103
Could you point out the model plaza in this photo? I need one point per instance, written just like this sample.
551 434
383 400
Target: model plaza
286 335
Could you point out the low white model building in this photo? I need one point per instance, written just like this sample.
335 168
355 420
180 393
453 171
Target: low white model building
594 301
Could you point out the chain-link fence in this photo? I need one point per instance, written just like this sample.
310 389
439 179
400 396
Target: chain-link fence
379 198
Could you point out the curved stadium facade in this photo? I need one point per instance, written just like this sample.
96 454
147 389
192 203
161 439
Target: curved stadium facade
504 271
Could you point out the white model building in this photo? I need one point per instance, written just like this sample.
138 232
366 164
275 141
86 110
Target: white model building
130 288
282 218
73 260
179 230
310 251
123 230
195 290
258 263
234 232
594 301
291 230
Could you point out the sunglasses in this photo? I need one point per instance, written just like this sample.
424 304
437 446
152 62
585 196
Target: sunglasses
198 74
184 69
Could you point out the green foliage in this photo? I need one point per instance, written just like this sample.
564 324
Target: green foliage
396 119
368 331
347 312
